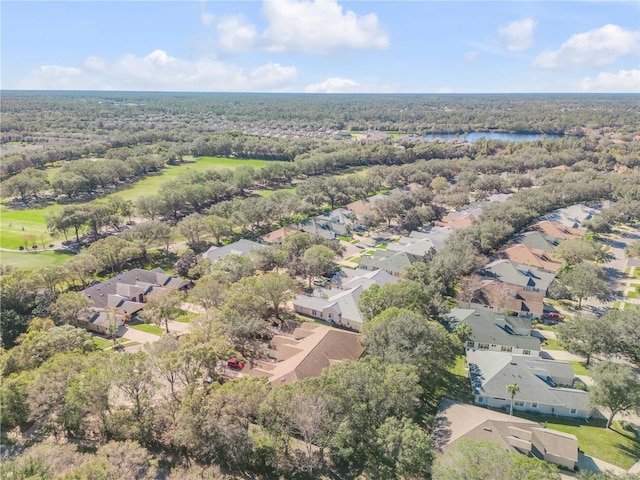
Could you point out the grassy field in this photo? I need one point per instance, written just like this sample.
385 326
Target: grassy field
151 184
32 260
102 343
34 219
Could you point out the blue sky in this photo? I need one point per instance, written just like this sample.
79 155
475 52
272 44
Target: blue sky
322 46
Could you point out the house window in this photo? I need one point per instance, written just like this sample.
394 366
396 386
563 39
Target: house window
518 403
313 312
573 410
470 343
526 352
483 346
321 314
506 348
534 405
480 399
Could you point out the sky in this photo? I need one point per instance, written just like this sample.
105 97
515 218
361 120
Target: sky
322 46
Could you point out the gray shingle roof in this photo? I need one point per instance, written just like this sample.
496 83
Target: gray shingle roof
485 328
241 247
518 274
492 372
537 240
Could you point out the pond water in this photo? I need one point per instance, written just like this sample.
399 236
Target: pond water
509 137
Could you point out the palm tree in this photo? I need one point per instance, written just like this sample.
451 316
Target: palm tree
463 332
512 389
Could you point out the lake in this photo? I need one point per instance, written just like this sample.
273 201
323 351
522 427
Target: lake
509 137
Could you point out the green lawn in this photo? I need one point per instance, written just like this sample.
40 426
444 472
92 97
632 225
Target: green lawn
616 305
633 295
579 368
615 446
102 343
552 344
457 386
152 183
145 327
32 260
268 193
34 219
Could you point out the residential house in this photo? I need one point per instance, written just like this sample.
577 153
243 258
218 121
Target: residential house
525 255
241 247
319 227
544 385
305 353
494 332
505 297
121 297
277 236
412 245
392 262
556 230
340 306
530 278
572 216
537 240
437 235
457 421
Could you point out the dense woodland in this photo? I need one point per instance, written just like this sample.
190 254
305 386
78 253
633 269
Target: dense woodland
372 417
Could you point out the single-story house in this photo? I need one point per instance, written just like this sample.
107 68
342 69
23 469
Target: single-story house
537 240
306 353
494 332
572 216
392 262
437 235
320 228
241 247
277 236
556 230
530 278
544 385
121 297
348 278
457 421
505 297
525 255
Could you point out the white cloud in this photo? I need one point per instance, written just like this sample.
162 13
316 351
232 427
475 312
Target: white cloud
319 26
207 19
159 72
518 35
347 85
235 34
333 85
595 48
624 81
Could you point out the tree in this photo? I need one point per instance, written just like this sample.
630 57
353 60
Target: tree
633 249
588 336
403 450
616 388
113 252
316 260
193 228
404 337
208 292
276 289
463 331
146 235
162 307
513 389
70 307
245 332
80 268
219 227
586 280
28 182
574 251
469 460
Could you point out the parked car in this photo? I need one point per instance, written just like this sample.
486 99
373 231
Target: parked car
555 316
320 282
235 364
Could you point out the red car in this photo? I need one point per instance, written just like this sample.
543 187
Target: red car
235 364
553 316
